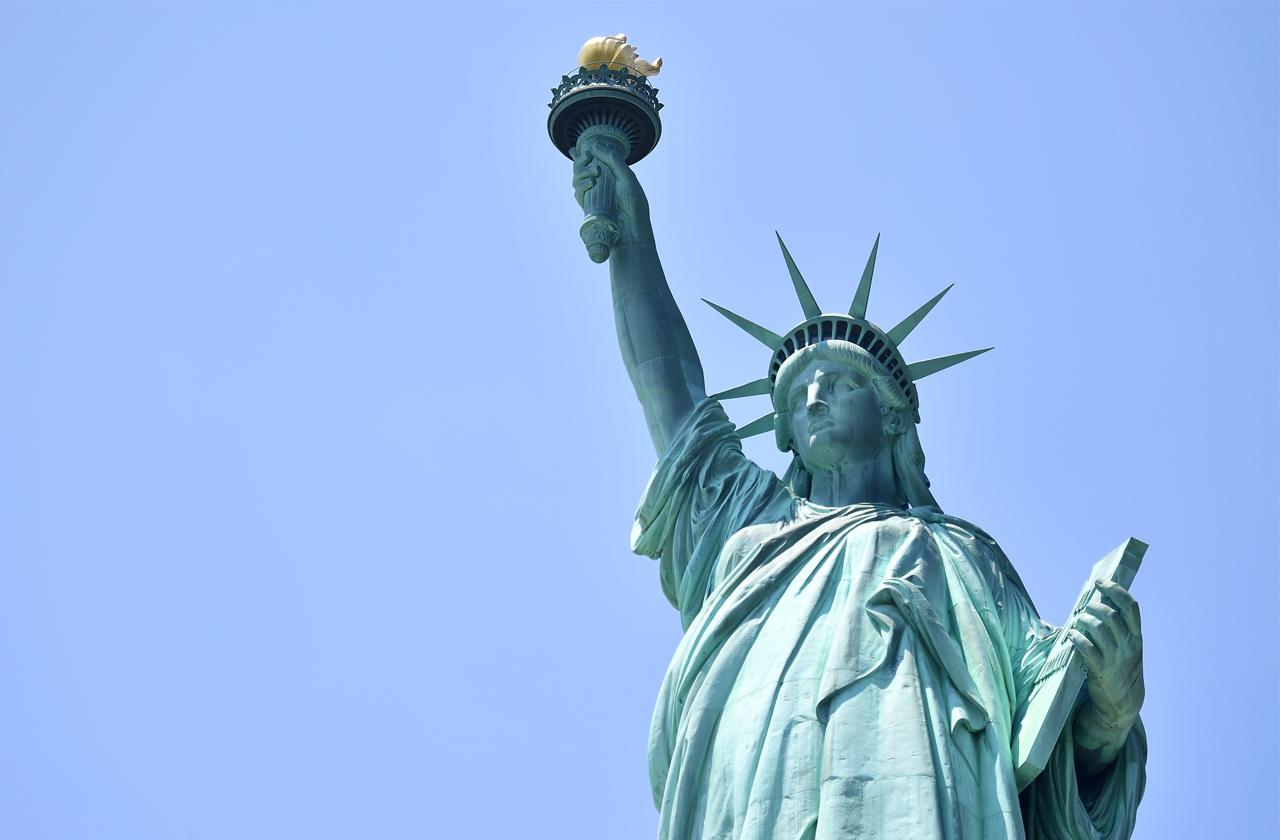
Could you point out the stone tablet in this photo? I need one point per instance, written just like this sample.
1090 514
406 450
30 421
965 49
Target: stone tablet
1059 684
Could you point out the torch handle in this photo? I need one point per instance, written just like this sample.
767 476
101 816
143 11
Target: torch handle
599 228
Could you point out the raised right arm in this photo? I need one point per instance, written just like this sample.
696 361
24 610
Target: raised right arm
656 346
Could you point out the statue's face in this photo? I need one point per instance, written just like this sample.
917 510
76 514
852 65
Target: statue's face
835 417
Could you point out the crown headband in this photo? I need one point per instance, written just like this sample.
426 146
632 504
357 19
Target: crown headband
852 327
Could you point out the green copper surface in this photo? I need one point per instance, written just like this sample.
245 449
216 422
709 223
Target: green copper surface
909 323
858 308
758 426
755 388
855 663
766 337
928 367
807 303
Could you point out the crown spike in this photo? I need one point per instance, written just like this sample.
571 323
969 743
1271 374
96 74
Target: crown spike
757 427
807 303
919 370
751 389
909 323
860 298
769 339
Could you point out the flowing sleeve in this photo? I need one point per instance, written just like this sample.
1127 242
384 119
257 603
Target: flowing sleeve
1062 803
702 491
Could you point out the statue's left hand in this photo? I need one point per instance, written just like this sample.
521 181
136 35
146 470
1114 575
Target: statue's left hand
1108 636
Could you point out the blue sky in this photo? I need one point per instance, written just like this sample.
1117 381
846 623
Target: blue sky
320 460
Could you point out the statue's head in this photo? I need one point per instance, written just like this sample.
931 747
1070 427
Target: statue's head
833 403
842 393
835 406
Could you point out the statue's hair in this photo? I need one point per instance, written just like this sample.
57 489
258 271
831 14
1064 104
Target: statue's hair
908 455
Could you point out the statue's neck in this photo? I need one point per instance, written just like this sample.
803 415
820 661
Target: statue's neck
864 482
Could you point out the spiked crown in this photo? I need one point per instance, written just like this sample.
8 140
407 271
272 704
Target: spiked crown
851 326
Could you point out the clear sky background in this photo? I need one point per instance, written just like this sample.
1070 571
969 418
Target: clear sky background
319 461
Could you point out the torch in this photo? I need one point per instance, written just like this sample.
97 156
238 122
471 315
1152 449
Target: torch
607 101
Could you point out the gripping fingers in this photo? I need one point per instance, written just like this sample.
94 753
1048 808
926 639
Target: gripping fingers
584 178
583 162
1111 622
607 155
1097 630
1125 603
1087 650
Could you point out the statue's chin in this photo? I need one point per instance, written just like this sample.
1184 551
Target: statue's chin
831 460
820 466
820 456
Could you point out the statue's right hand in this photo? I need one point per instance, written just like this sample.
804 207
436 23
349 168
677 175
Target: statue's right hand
604 160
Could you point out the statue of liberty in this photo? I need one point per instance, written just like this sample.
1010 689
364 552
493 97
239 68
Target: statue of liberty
855 663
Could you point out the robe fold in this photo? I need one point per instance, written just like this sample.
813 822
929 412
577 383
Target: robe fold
846 672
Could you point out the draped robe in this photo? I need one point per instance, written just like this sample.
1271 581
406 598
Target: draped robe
846 672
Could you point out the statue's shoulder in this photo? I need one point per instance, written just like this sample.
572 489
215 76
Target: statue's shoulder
752 535
972 540
961 528
773 518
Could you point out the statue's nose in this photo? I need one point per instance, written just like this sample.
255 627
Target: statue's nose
814 404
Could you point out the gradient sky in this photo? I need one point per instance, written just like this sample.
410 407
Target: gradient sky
319 459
